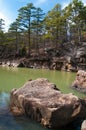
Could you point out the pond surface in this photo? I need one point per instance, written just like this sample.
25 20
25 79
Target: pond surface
14 78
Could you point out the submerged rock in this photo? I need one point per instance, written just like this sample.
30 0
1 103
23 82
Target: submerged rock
80 81
43 101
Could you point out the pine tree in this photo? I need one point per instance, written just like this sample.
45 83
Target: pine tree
25 15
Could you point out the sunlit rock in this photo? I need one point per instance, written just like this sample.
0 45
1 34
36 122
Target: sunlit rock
83 126
80 81
43 101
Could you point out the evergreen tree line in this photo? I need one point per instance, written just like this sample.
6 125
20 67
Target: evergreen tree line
33 29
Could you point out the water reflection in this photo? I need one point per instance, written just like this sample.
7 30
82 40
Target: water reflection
10 122
4 99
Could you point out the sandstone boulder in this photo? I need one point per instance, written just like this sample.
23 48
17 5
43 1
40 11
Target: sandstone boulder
43 101
83 126
80 81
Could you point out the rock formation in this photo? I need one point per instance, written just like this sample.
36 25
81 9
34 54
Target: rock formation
55 58
80 81
83 126
43 101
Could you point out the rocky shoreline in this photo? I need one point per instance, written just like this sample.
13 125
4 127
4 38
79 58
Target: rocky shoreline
67 56
40 63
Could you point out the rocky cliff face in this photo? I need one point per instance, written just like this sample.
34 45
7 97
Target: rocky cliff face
43 101
49 58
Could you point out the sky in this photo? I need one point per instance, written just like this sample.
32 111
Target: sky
9 8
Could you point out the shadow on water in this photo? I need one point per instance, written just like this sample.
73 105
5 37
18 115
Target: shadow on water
10 122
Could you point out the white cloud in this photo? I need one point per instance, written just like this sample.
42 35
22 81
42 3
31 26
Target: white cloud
64 4
84 1
7 20
39 2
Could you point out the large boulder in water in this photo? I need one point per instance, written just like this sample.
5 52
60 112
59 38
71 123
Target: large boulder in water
80 81
41 100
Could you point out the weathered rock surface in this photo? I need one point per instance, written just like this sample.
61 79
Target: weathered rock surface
41 100
48 58
80 81
83 126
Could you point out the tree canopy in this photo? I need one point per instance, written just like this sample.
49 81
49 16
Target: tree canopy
32 27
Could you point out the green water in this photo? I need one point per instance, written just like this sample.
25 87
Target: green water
14 78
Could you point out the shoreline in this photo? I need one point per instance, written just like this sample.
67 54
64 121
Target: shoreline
39 63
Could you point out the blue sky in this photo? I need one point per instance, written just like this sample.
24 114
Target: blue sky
9 8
